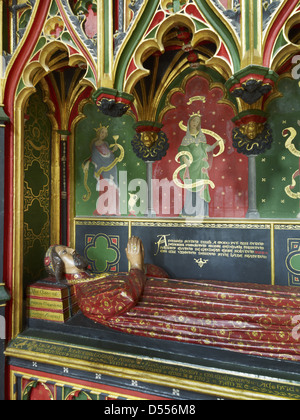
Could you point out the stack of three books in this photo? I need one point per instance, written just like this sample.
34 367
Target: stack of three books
51 301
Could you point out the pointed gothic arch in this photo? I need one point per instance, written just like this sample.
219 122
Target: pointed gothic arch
58 76
287 44
165 58
154 45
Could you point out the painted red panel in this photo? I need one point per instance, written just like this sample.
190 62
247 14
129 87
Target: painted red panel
158 18
229 172
193 11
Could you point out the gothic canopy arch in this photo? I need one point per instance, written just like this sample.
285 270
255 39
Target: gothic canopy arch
54 56
112 47
181 34
149 38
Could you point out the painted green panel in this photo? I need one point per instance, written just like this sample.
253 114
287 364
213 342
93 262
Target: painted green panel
90 76
199 25
53 8
37 175
130 168
295 262
21 86
280 42
278 167
152 34
41 43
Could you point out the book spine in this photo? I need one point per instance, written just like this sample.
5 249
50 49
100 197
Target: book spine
49 315
52 304
51 293
48 304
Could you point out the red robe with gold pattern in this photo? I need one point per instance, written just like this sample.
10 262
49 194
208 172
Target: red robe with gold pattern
248 318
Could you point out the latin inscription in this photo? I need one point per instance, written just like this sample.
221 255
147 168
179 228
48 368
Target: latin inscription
209 248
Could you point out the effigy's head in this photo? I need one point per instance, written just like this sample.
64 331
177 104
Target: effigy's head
61 260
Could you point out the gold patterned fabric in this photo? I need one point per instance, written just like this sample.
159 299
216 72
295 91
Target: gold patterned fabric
248 318
111 297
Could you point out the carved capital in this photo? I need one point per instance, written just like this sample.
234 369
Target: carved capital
112 102
250 85
249 90
252 91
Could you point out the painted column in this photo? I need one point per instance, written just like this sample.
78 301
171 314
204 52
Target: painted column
145 146
4 295
2 66
4 298
112 102
105 43
251 85
252 210
64 185
150 212
121 22
251 32
3 120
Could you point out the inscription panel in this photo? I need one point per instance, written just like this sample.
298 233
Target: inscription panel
216 251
